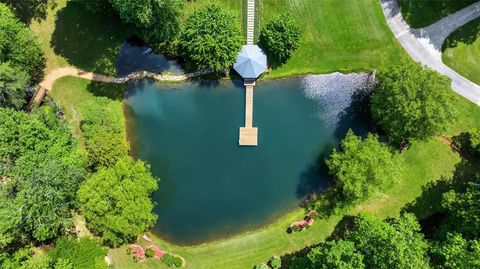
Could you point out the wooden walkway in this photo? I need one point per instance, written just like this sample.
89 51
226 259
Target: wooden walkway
248 134
250 21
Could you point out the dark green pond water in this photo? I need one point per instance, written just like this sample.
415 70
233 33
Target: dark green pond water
212 188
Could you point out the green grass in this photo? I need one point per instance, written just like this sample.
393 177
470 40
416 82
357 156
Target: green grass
71 35
348 35
461 51
69 92
421 13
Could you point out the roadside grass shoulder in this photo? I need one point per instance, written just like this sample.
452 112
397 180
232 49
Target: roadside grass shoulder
461 51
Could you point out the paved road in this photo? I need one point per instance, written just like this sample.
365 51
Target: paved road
424 45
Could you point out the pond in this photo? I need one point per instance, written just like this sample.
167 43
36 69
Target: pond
212 188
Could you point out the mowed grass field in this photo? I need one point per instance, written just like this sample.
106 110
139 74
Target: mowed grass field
346 36
461 51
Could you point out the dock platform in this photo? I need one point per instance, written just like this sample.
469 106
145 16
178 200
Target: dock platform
248 135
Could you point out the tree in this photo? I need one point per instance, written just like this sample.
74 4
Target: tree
103 128
463 213
13 84
395 243
157 20
331 254
19 46
456 252
42 169
211 38
116 201
410 101
362 168
280 38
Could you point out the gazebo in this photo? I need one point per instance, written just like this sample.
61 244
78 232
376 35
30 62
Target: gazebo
251 62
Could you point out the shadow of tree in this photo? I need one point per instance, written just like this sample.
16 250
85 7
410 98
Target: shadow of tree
356 116
88 40
110 90
28 10
429 202
466 34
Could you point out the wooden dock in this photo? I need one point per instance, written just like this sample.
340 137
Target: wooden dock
248 135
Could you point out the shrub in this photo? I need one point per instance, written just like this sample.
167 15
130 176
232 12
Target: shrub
412 102
275 262
103 127
81 254
149 252
211 38
280 38
172 261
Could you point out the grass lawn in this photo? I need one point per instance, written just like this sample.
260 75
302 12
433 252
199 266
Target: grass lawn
348 35
70 35
360 41
461 51
69 92
424 162
421 13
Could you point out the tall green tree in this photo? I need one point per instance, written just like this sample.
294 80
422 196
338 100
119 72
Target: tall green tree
13 84
331 254
280 38
412 102
211 38
42 168
19 46
390 244
157 20
116 201
455 252
463 212
362 168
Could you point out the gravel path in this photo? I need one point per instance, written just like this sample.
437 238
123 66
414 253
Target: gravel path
424 45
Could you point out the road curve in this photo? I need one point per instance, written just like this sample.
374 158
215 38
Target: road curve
424 45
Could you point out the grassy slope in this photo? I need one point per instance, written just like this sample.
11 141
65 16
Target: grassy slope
421 13
70 35
461 51
424 162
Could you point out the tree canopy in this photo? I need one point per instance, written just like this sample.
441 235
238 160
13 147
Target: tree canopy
412 102
78 254
19 46
280 38
211 38
41 171
331 254
103 127
116 201
157 20
362 168
13 85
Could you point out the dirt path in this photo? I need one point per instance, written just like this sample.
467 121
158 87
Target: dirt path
424 45
47 83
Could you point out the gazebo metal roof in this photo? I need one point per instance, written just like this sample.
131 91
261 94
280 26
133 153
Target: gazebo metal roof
251 62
